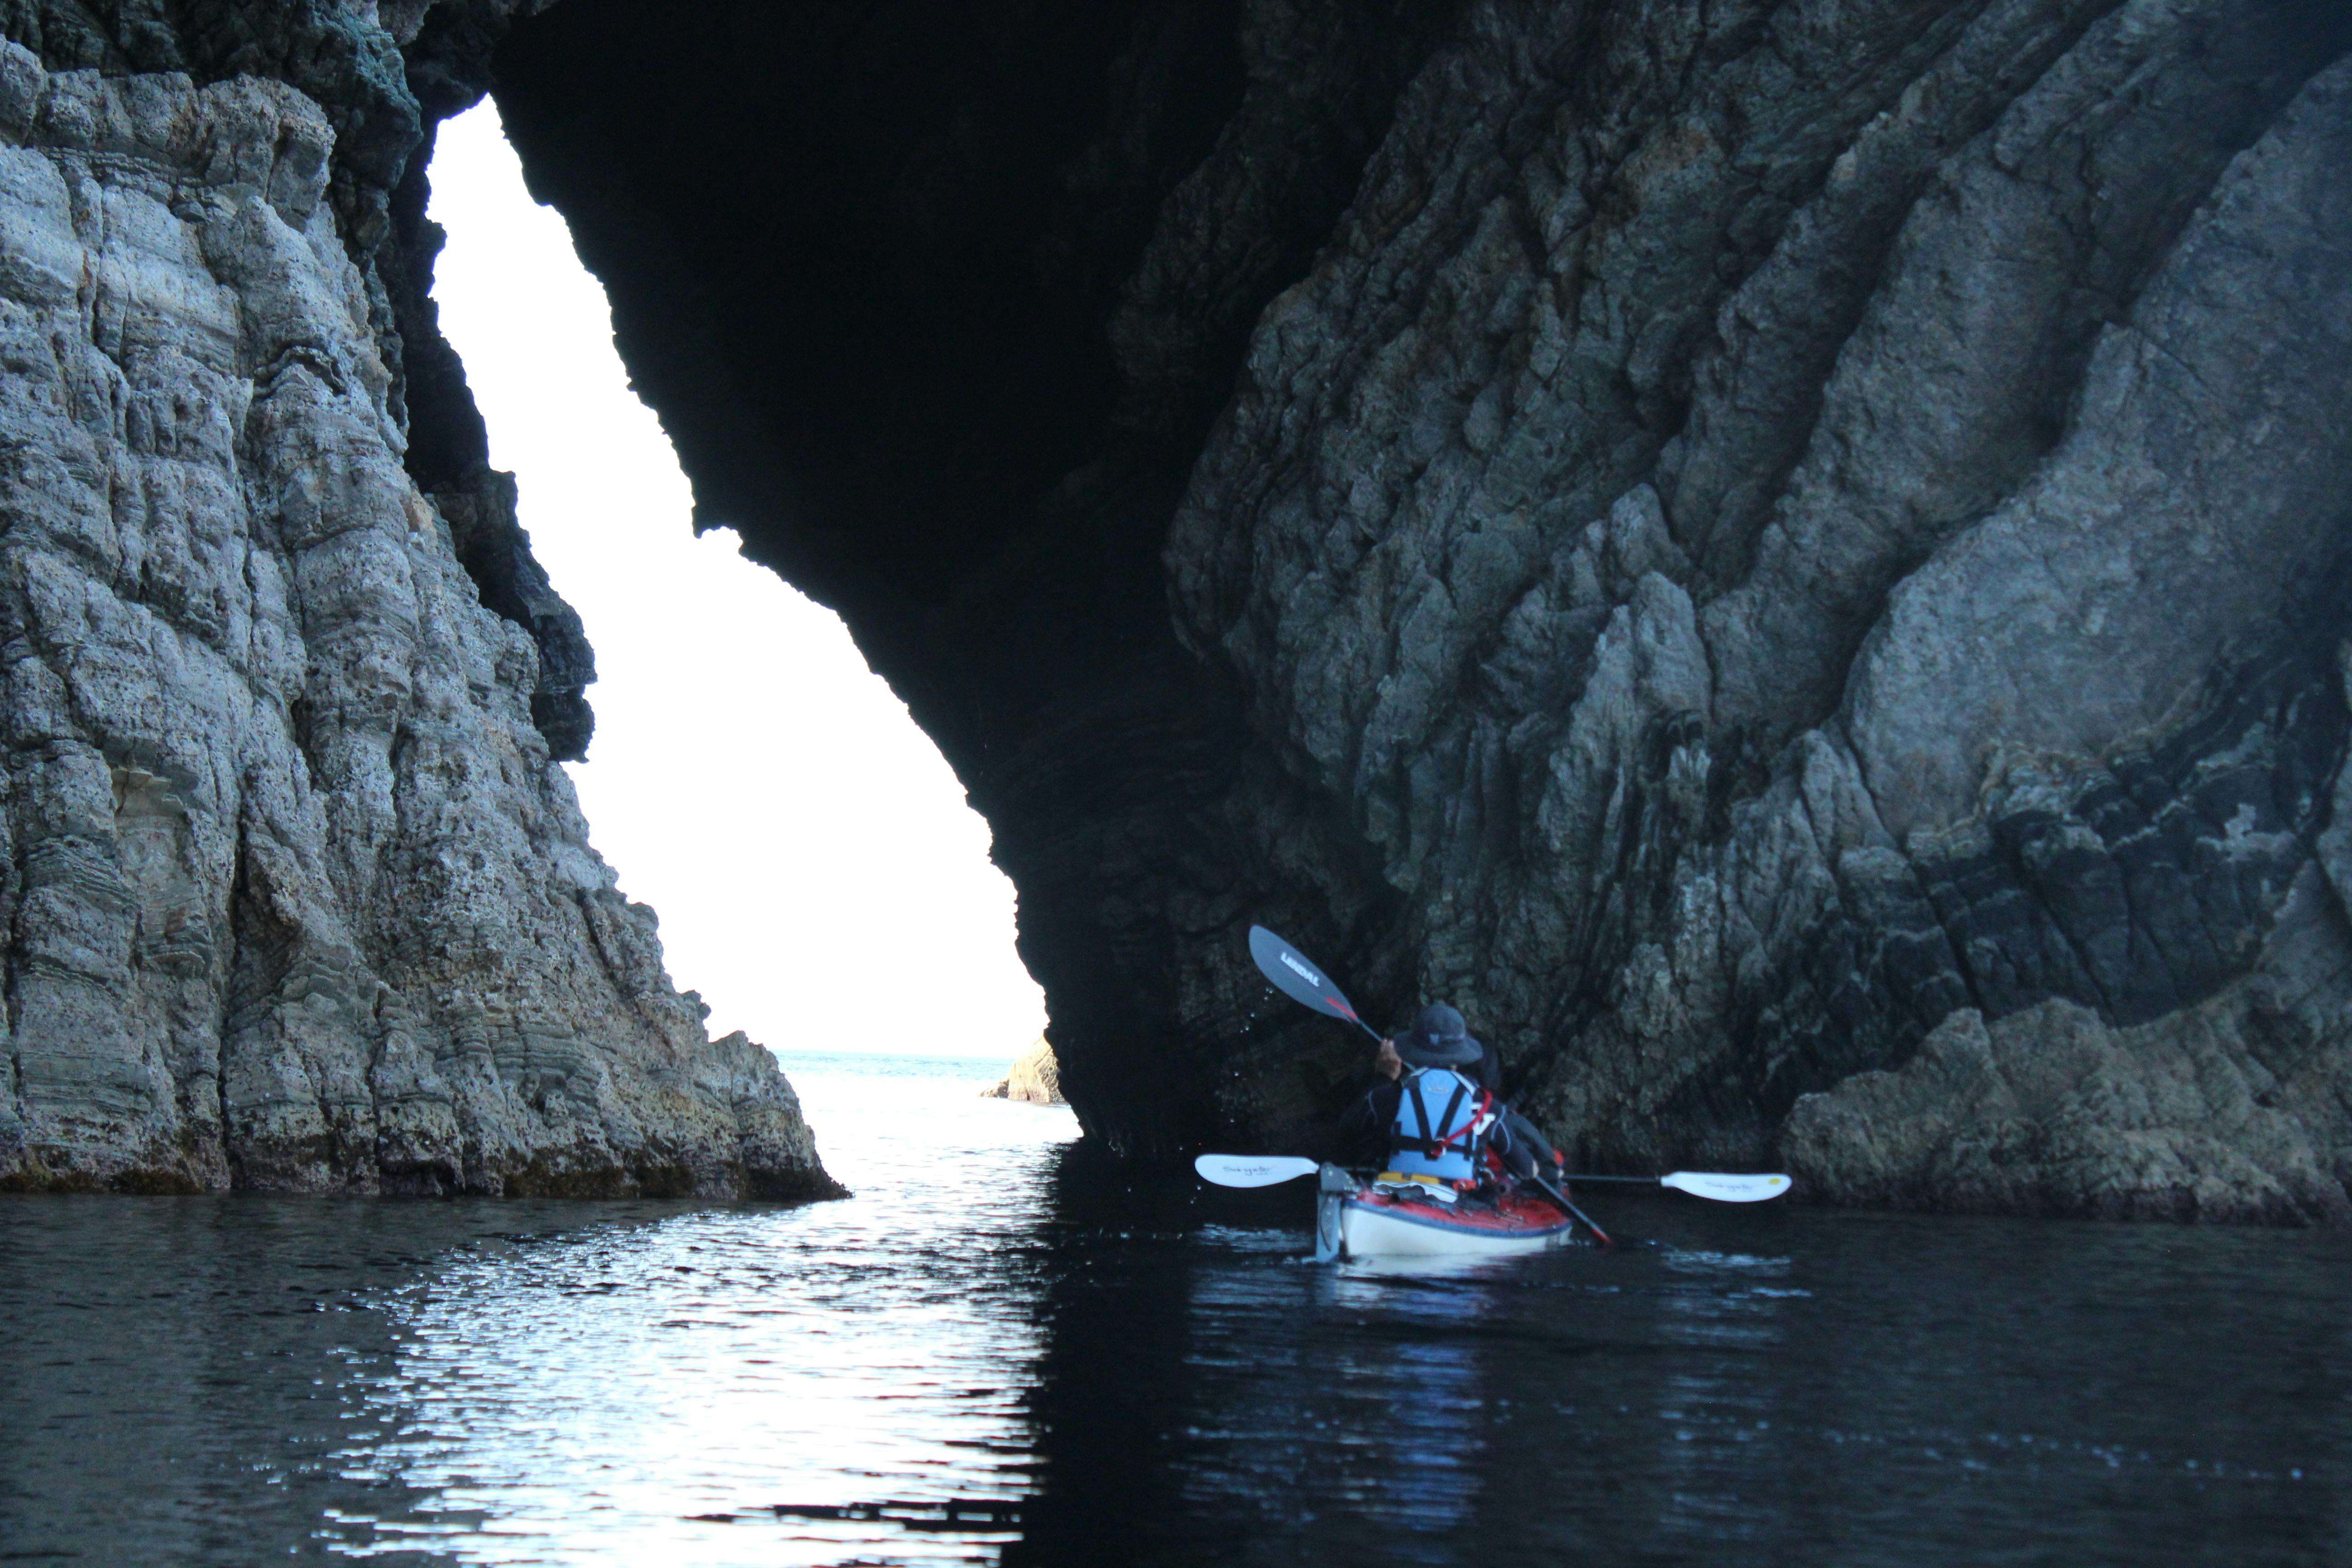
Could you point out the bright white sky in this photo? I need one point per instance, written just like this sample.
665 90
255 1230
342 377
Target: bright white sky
819 877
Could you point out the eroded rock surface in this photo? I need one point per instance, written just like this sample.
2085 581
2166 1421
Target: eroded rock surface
1790 556
297 900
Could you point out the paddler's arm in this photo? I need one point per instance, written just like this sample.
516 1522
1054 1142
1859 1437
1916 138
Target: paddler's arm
1529 1144
1522 1140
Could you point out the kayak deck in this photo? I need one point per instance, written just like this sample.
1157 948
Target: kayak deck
1377 1223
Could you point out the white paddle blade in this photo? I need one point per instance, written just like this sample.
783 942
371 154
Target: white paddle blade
1725 1189
1252 1170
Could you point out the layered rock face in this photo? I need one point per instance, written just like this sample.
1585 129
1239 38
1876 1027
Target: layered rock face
297 898
1781 558
1789 558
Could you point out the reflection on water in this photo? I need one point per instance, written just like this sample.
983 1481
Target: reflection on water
998 1352
630 1377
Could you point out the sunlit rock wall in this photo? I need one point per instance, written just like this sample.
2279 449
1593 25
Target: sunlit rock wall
296 899
1787 557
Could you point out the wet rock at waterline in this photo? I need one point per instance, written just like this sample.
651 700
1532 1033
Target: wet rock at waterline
1790 560
1034 1079
299 901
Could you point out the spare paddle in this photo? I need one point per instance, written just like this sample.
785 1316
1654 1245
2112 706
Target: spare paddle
1301 980
1252 1170
1722 1188
1266 1170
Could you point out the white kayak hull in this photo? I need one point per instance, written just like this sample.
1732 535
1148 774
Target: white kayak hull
1414 1230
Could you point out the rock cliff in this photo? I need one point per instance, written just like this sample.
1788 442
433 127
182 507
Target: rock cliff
1789 556
297 898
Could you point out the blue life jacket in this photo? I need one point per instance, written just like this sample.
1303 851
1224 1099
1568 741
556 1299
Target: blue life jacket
1440 1121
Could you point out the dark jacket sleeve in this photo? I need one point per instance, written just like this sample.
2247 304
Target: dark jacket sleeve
1364 1126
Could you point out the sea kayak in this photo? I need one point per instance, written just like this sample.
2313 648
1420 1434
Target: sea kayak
1391 1220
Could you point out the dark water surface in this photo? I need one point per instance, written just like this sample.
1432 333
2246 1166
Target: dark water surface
1113 1377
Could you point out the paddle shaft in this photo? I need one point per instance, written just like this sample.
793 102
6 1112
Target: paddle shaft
1562 1199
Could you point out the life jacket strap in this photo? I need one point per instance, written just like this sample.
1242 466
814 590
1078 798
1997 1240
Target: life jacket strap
1481 1117
1438 1145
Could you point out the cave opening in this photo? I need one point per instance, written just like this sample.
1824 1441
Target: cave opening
750 776
941 302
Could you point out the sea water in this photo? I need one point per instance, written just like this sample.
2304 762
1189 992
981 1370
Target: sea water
1000 1351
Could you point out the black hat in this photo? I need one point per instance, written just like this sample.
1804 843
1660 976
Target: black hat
1438 1038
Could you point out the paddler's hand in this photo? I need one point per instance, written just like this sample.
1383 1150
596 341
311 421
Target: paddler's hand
1387 1064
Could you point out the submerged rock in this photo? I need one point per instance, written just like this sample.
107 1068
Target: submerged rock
300 902
1036 1079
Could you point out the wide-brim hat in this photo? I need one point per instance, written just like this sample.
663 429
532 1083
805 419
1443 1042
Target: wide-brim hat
1438 1038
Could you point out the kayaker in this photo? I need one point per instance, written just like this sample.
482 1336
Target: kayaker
1428 1118
1435 1047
